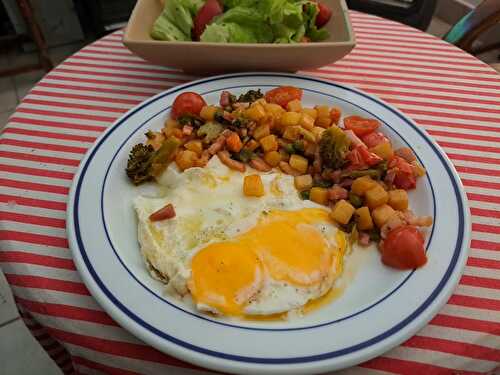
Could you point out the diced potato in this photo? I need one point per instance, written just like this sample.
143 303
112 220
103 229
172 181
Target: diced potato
376 196
323 111
323 122
260 101
364 219
207 113
342 212
195 146
306 121
290 119
272 158
418 170
384 150
255 112
269 143
292 133
274 109
186 159
285 156
310 112
299 163
308 136
318 132
381 214
252 186
335 114
398 199
261 132
294 105
170 125
251 145
319 195
303 182
362 184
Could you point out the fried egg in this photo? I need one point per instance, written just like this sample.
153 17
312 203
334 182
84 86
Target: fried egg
236 255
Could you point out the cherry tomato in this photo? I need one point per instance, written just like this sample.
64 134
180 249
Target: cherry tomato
360 158
361 126
283 94
187 102
369 158
405 177
403 248
323 16
373 139
206 13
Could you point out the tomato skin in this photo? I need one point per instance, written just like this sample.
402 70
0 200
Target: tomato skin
324 15
405 177
361 158
206 13
283 94
403 248
373 139
187 102
361 126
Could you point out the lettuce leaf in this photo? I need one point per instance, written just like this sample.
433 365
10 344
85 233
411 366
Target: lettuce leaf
176 21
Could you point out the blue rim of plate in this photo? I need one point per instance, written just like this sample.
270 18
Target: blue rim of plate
258 360
352 315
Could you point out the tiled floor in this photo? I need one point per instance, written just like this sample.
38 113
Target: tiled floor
17 345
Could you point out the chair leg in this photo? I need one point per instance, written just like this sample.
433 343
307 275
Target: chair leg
36 33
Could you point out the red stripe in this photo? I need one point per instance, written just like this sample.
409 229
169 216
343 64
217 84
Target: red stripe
405 367
468 324
464 146
43 146
33 219
446 124
482 282
475 302
458 107
477 137
82 56
485 245
117 67
485 213
107 82
483 198
435 50
38 259
88 107
57 124
94 89
103 368
479 159
40 282
117 348
65 95
39 239
479 171
453 347
34 186
45 134
460 116
481 184
411 43
31 202
109 45
483 263
79 116
36 172
66 311
104 51
38 158
485 228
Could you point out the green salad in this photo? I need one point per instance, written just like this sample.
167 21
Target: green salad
242 21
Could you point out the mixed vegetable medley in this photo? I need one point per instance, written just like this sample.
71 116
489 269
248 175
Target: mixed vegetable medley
343 162
242 21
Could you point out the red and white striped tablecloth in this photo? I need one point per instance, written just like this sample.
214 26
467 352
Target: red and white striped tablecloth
451 94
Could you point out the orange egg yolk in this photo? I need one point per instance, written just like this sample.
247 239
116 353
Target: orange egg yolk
283 244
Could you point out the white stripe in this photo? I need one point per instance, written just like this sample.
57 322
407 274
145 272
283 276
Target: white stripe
65 100
75 111
482 272
45 250
471 313
476 291
92 95
46 140
41 152
34 194
61 118
34 229
486 254
25 210
483 236
37 164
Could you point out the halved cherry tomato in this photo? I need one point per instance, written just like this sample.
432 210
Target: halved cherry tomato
373 139
360 157
206 13
405 177
403 248
283 94
324 15
187 103
360 125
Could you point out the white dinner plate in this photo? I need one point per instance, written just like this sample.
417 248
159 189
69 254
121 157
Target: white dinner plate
380 307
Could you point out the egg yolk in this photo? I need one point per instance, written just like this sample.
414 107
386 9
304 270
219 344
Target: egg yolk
284 244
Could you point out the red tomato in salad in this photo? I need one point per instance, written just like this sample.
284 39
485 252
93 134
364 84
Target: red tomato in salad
324 15
187 103
361 126
283 94
360 158
207 12
403 248
373 139
405 177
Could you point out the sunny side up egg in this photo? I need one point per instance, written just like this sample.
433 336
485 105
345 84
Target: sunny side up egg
236 255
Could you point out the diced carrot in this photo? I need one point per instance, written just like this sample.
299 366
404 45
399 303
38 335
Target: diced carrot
233 142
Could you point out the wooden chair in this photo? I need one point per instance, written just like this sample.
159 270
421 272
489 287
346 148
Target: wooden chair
466 31
36 36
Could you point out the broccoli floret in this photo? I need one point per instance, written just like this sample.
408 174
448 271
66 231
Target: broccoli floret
139 163
250 96
210 131
333 147
244 155
191 120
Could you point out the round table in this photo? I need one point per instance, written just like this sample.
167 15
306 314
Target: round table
451 94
